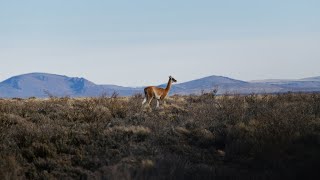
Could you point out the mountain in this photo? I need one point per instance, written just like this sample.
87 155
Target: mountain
312 79
310 84
223 85
44 85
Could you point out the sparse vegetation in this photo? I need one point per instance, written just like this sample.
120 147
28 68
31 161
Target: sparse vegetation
190 137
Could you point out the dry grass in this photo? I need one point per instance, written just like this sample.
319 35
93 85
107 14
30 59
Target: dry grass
190 137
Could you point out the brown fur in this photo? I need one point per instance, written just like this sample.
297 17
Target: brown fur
152 92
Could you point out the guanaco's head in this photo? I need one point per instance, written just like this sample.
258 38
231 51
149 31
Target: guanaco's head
172 79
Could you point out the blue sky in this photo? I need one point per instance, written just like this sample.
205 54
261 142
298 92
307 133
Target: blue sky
142 42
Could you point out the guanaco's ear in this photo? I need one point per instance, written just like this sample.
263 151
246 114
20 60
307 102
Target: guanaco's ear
170 77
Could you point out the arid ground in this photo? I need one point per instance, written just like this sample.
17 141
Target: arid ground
189 137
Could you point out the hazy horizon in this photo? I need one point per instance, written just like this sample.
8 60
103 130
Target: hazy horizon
142 42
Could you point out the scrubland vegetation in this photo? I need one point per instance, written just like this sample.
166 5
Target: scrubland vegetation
189 137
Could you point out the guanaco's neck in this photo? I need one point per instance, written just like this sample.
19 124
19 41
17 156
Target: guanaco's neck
168 86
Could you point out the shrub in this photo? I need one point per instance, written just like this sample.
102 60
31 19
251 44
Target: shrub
190 137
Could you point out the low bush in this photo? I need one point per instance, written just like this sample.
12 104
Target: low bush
189 137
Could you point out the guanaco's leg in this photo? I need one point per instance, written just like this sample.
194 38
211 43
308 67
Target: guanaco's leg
150 100
144 101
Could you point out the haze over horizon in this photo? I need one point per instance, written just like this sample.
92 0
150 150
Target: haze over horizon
142 42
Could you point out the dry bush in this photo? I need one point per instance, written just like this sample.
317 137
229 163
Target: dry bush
189 137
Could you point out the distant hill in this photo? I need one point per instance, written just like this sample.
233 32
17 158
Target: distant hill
223 85
312 79
43 85
310 84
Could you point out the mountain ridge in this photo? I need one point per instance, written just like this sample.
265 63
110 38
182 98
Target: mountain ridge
41 84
